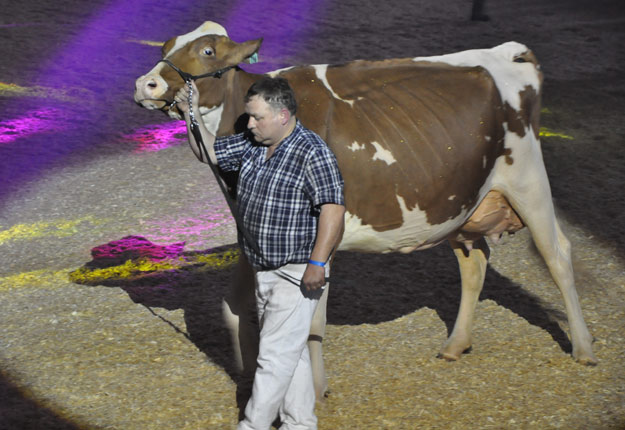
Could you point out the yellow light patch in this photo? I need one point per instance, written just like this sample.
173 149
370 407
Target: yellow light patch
130 270
545 132
60 228
12 88
146 42
37 278
133 269
8 89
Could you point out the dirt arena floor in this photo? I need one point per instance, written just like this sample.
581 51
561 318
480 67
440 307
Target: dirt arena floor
134 346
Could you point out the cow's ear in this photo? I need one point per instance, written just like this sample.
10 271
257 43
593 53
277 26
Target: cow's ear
243 51
167 46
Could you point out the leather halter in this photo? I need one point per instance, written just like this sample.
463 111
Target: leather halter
188 77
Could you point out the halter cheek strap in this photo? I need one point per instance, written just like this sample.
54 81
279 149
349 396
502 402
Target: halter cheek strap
187 77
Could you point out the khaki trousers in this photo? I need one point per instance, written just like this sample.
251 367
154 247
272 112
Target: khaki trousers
283 383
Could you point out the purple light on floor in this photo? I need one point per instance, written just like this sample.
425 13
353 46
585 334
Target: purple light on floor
44 120
156 137
201 225
97 50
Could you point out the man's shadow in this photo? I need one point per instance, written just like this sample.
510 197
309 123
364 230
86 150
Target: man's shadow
196 282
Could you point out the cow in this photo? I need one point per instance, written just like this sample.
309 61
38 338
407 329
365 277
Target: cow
432 149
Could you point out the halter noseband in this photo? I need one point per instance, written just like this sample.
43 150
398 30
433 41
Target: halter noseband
187 78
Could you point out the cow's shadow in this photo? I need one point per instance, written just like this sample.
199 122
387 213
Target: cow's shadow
367 288
374 288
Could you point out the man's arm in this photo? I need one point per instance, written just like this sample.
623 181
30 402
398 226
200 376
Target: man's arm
329 231
182 100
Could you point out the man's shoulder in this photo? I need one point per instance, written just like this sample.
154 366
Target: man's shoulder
309 137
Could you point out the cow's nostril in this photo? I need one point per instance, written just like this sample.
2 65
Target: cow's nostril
152 84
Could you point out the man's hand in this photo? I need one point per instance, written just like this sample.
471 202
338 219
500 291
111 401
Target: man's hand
182 98
314 277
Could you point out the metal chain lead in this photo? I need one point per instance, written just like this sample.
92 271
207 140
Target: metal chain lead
195 127
191 113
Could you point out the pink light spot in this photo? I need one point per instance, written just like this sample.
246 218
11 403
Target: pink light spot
33 122
157 137
200 225
135 247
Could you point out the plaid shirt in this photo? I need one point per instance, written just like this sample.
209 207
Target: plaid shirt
279 199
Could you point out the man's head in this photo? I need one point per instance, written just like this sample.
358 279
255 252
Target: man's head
270 104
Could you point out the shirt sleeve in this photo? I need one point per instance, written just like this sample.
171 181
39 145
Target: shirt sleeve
324 182
229 151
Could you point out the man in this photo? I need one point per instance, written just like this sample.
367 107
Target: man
290 199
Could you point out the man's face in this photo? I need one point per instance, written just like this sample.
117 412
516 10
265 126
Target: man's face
265 123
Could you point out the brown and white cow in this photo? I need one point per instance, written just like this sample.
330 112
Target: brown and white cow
431 149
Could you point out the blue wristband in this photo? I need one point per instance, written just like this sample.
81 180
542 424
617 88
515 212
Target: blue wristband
317 263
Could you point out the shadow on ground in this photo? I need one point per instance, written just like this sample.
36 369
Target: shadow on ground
18 411
367 289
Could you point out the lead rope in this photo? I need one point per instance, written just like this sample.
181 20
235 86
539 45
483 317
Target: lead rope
195 130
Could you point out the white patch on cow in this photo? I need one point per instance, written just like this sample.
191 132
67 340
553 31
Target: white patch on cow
415 233
510 78
383 154
356 147
321 71
277 72
487 138
205 29
451 198
484 162
526 172
212 117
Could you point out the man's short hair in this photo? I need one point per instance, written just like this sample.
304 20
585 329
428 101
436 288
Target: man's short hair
276 92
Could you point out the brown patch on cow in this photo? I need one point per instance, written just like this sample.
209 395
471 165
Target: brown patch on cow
528 115
213 91
167 46
434 119
189 58
509 160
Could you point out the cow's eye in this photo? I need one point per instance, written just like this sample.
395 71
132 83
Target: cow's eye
208 52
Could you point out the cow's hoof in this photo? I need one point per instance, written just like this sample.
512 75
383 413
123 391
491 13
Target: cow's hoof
449 356
453 355
587 360
322 399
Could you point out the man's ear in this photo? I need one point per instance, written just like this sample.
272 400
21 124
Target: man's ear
285 116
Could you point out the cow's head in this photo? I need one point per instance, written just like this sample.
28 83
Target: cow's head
205 50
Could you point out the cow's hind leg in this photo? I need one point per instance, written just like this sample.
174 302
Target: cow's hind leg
472 273
537 212
525 184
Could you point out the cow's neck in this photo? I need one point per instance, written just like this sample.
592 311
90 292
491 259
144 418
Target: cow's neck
232 117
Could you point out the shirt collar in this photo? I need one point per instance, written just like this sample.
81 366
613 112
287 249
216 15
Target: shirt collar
291 138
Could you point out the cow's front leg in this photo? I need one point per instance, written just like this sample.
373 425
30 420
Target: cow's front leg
317 332
241 319
472 273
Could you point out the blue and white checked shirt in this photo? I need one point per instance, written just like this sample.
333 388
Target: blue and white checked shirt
279 199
